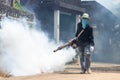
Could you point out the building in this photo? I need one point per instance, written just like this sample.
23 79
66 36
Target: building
58 18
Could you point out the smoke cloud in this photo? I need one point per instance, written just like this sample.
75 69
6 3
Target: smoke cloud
111 51
106 18
112 5
25 51
107 40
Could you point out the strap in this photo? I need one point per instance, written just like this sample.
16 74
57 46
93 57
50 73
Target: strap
80 33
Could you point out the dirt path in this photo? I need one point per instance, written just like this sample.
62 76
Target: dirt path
72 72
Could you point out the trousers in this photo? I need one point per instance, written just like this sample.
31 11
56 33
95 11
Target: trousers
85 60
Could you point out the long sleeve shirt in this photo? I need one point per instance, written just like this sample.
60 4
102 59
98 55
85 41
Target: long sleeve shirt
86 36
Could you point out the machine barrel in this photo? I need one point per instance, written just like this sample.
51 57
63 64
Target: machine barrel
64 45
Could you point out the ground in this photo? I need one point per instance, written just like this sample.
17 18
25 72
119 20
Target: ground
101 71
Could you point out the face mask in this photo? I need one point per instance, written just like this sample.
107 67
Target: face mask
84 23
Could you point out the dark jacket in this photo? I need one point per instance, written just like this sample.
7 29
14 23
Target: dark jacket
86 36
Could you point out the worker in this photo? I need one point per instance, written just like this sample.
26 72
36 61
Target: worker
85 43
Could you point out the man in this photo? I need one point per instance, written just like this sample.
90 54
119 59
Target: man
85 43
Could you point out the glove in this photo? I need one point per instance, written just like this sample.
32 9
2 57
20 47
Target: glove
91 48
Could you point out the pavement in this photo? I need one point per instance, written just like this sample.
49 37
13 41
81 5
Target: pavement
100 71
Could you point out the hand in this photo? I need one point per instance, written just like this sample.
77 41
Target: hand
74 46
